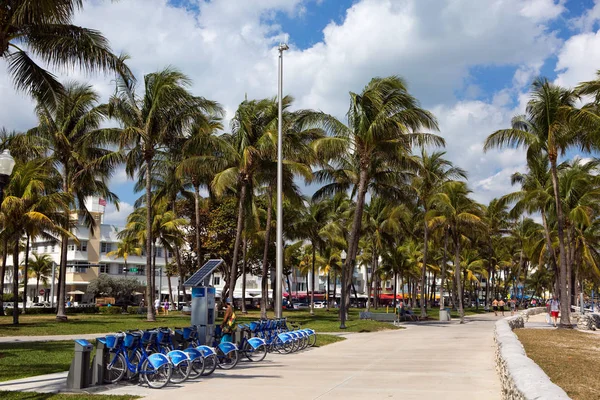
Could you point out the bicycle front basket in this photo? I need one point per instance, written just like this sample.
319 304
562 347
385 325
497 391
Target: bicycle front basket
129 340
112 341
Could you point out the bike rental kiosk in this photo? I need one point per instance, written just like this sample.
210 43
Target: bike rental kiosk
203 300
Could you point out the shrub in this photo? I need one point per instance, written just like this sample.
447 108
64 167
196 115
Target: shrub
110 310
8 297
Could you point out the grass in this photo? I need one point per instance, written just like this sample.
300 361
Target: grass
570 358
40 325
21 360
60 396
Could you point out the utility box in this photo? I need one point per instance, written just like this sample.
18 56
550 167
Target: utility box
203 300
100 361
80 372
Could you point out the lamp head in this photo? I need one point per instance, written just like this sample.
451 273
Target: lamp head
283 47
7 163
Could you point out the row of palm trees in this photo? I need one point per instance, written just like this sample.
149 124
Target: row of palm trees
381 195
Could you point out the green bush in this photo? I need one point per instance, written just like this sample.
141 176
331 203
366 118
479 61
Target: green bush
8 297
110 310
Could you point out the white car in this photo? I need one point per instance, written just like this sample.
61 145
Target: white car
43 304
320 304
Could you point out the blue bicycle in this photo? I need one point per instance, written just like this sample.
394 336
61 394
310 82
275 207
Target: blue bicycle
130 355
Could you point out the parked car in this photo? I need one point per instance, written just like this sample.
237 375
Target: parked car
320 304
187 309
42 304
301 306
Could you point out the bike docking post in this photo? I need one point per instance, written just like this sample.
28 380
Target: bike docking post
80 371
100 361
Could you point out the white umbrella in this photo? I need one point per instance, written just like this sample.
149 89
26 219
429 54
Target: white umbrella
76 292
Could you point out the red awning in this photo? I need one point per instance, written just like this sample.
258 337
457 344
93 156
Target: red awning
386 296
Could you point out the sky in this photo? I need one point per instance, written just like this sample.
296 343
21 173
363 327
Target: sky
470 62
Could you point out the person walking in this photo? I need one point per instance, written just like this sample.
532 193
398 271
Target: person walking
554 309
166 306
156 305
513 306
495 307
228 324
501 305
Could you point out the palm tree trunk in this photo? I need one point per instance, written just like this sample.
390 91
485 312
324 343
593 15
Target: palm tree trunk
424 269
312 283
457 275
370 282
565 312
244 265
238 240
265 282
168 277
334 286
26 269
353 246
550 253
62 277
37 286
150 287
3 274
444 262
16 283
395 287
327 297
178 259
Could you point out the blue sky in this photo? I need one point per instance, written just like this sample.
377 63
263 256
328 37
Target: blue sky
469 61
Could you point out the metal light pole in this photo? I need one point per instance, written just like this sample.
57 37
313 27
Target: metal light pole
279 264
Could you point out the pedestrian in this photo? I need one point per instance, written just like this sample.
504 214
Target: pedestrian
228 324
166 306
513 305
495 307
554 308
156 305
501 305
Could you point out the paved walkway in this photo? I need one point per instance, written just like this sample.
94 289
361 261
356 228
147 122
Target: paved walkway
52 338
425 361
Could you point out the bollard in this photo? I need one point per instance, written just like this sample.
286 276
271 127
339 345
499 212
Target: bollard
100 361
79 372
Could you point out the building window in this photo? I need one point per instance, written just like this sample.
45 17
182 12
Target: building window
71 246
120 268
169 254
104 268
216 280
83 246
105 247
159 252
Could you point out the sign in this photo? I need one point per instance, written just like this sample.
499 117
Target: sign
198 292
133 270
102 202
42 291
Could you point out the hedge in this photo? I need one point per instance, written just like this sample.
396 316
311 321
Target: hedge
110 310
49 311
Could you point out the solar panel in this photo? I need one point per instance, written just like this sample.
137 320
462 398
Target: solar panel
203 272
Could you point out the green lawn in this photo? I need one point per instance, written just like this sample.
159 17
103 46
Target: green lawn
61 396
37 325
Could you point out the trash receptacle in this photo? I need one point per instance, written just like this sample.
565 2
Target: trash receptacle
80 373
100 361
445 315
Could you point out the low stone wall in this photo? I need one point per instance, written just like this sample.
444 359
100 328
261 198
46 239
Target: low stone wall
521 378
588 322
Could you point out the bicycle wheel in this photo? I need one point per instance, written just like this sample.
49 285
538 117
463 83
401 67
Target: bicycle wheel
312 340
181 371
156 378
253 354
229 360
115 370
210 364
197 368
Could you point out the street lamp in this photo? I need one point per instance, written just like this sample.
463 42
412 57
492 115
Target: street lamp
7 163
279 260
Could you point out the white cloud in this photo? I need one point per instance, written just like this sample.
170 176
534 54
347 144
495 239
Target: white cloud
579 59
542 10
119 218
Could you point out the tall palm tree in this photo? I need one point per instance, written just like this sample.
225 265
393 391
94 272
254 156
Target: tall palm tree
463 216
79 148
125 248
40 268
546 129
432 171
149 122
30 197
44 29
384 122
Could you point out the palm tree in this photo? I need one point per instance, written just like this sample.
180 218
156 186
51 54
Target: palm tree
40 268
462 215
432 171
149 123
125 248
384 122
30 199
546 129
44 29
78 147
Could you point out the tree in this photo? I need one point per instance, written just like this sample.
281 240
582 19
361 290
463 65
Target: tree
462 215
44 29
149 122
384 122
125 248
78 147
40 268
546 128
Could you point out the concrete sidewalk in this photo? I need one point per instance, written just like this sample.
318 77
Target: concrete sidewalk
424 361
51 338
